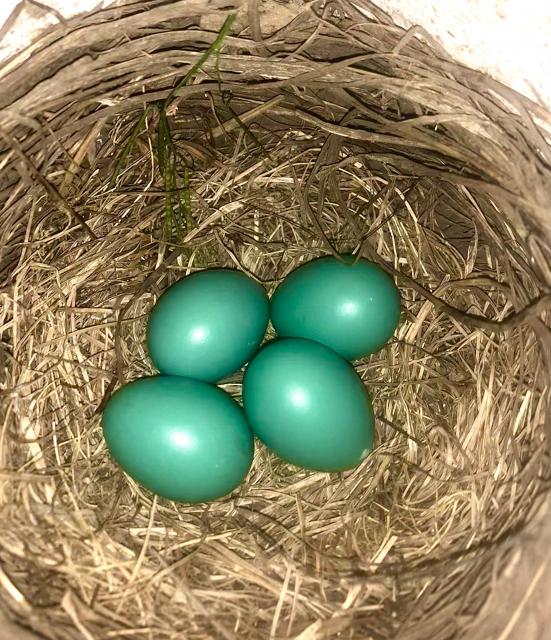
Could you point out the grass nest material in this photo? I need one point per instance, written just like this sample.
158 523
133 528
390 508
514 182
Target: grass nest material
134 151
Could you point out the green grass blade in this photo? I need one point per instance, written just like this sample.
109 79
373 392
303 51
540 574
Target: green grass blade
164 141
168 182
123 156
188 220
213 49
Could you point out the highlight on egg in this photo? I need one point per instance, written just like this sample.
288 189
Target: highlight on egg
207 325
183 439
308 405
350 305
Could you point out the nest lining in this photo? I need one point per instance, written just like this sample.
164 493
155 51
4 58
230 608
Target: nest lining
338 132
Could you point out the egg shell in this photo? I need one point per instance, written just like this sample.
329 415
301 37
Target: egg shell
181 438
207 325
308 405
351 306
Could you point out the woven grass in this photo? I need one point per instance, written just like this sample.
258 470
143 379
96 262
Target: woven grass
336 132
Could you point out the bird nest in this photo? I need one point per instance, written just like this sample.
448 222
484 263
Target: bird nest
144 142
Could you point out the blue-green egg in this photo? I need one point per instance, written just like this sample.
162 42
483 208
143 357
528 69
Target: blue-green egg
308 405
349 305
183 439
207 325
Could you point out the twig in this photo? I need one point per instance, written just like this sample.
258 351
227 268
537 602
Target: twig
530 312
50 189
248 116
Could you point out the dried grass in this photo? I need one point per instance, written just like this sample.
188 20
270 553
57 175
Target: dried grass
352 135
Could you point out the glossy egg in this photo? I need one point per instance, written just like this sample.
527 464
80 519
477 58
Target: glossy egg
351 306
183 439
308 405
207 325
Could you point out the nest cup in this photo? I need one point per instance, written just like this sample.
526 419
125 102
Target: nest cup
133 151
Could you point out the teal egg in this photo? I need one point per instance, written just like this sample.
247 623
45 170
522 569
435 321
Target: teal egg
181 438
308 405
351 307
207 325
